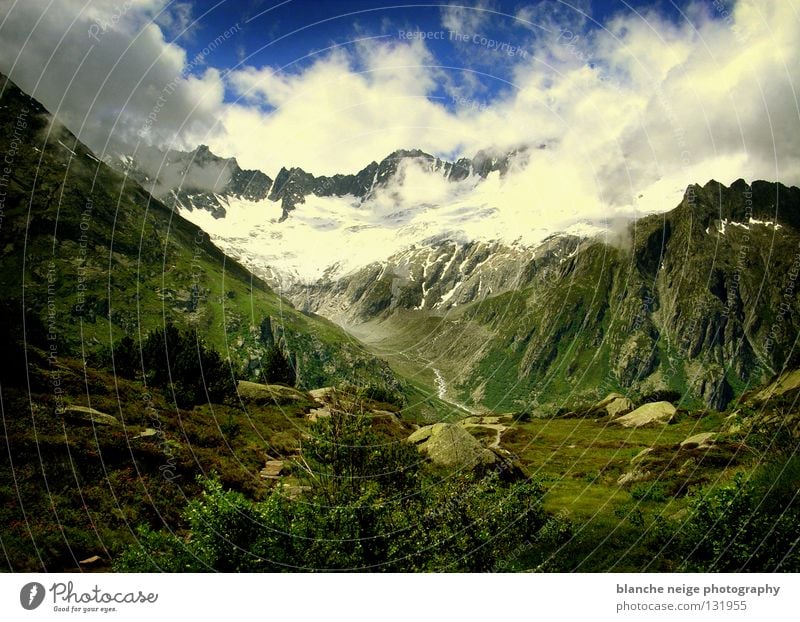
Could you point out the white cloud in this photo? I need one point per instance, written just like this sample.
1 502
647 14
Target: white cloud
334 117
462 18
101 67
643 107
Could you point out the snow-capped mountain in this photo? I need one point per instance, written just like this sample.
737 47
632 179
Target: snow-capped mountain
435 278
194 180
508 294
303 228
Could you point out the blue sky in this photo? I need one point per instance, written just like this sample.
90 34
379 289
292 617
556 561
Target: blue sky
289 35
632 101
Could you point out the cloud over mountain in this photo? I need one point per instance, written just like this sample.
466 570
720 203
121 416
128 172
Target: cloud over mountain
629 111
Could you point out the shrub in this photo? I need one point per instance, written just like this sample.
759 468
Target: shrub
371 506
649 492
126 357
181 361
276 369
749 524
380 393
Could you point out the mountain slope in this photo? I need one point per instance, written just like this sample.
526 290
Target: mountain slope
699 300
195 179
94 256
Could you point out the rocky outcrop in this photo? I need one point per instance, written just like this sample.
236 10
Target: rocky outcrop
614 405
648 414
450 445
273 469
631 477
703 440
435 278
147 433
195 179
293 185
255 393
88 416
787 382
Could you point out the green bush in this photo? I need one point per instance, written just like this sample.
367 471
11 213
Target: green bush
126 357
371 506
276 369
649 492
378 393
181 362
748 525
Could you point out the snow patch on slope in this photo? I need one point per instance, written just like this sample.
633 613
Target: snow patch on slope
333 236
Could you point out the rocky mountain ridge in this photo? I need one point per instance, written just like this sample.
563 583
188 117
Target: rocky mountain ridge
199 179
699 301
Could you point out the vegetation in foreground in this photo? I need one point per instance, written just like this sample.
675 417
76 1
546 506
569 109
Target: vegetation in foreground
367 505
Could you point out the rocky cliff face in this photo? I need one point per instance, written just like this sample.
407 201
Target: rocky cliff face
700 300
434 279
293 185
199 179
196 179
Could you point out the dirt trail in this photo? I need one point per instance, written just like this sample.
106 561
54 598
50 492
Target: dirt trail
490 421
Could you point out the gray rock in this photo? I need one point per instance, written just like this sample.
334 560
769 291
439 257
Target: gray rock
84 414
703 440
655 412
632 477
272 469
321 395
641 454
256 393
449 444
790 381
316 413
147 433
614 404
733 423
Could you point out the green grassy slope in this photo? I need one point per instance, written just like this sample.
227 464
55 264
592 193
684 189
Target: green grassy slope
96 257
700 301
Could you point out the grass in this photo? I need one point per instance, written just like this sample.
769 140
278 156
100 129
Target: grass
424 407
69 491
580 461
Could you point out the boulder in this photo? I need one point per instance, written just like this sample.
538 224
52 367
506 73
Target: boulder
147 433
655 412
789 381
450 445
260 394
272 469
86 415
424 433
91 561
321 395
614 404
641 454
316 413
703 440
733 423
